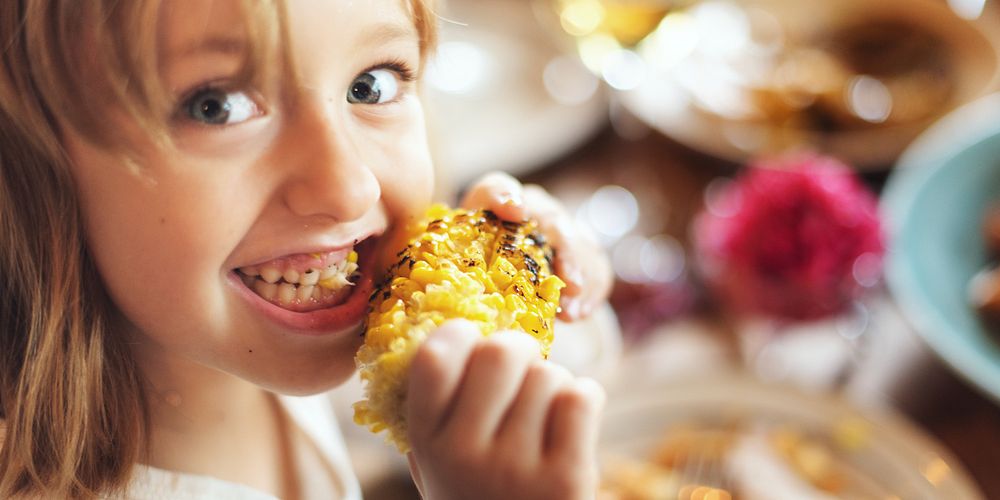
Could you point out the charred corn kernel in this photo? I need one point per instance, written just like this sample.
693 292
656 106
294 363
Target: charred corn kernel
549 289
458 264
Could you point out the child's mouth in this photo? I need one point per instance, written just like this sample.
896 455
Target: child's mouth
304 283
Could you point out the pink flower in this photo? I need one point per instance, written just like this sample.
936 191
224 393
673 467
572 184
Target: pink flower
795 237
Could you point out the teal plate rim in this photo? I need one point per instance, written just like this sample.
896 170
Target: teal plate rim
970 126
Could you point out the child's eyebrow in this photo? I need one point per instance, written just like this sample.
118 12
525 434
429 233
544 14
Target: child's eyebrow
228 45
225 45
383 33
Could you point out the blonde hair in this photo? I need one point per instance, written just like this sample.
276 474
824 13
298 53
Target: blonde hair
73 416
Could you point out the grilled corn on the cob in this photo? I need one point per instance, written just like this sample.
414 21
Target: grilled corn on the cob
462 264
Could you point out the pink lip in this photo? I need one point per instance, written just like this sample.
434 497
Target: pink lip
340 318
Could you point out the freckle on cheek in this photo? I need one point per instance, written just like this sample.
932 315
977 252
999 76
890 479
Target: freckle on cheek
163 220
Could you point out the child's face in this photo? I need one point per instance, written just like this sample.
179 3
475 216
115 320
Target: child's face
284 182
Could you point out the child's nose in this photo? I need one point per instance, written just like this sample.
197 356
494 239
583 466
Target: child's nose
331 177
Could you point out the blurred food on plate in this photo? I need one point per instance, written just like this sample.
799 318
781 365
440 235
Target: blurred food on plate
984 287
730 437
852 78
877 71
725 461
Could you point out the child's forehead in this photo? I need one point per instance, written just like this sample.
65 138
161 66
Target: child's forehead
224 25
186 26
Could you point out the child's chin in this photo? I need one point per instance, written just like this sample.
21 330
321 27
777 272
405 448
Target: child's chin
306 377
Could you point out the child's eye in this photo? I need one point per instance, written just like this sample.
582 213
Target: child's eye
216 107
374 87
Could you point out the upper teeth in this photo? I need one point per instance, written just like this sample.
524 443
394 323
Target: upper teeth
332 276
270 274
309 277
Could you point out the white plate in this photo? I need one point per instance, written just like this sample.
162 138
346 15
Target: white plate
667 105
489 105
895 461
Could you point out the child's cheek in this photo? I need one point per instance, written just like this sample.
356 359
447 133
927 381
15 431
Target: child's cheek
403 165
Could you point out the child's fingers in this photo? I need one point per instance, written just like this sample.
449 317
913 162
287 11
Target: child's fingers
435 376
522 431
573 423
494 374
580 261
498 192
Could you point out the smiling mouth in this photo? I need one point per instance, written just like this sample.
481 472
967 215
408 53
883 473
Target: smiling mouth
305 283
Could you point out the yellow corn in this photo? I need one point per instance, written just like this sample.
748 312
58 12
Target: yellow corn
458 264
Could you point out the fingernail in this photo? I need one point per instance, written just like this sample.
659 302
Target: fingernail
572 308
511 199
573 274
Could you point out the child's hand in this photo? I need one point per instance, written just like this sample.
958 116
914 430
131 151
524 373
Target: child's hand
580 261
489 419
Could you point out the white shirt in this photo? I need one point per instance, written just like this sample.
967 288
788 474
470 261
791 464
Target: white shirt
312 414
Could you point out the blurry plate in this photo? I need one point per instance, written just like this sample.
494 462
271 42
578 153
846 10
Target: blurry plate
935 203
666 99
501 96
887 457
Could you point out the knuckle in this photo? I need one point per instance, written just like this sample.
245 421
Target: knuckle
578 402
429 367
494 352
458 454
510 469
438 448
550 374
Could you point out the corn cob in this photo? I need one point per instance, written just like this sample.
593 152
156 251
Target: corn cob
461 264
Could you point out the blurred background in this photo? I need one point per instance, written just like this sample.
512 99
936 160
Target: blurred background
796 200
